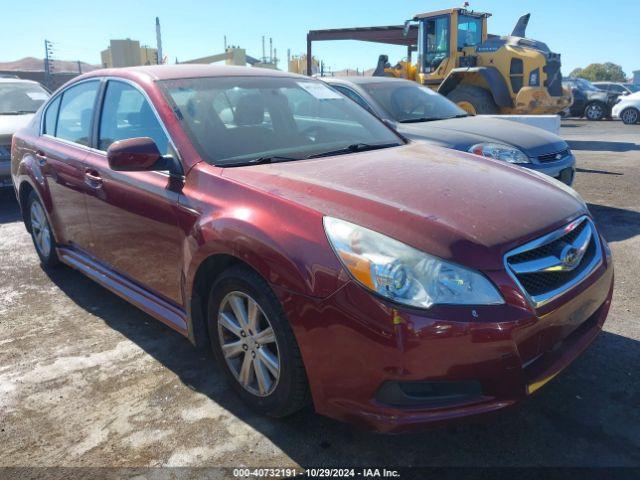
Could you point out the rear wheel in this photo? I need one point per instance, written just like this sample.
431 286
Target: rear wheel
252 341
595 111
473 99
41 233
630 116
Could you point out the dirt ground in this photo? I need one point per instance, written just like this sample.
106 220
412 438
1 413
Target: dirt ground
88 380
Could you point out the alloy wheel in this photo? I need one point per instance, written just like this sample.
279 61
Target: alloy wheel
248 343
630 116
40 229
594 112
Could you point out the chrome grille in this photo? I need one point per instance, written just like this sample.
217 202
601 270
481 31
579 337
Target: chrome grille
553 264
553 157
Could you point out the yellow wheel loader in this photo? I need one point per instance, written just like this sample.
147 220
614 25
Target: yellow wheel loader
455 56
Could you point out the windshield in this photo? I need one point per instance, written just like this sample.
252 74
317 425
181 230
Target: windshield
634 88
406 102
586 85
240 120
21 97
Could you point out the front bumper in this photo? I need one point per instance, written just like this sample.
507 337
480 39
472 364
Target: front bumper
563 169
354 344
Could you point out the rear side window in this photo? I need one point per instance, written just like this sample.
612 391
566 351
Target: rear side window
126 113
76 112
50 117
352 95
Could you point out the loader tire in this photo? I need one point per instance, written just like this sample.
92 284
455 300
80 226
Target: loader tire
473 99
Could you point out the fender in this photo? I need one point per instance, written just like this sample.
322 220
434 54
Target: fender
491 75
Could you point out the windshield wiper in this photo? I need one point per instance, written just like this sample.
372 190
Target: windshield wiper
17 112
420 119
354 147
261 160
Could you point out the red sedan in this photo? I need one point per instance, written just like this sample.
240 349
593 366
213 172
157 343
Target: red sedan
323 257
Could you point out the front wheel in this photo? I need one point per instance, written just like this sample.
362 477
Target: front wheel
473 99
630 116
253 342
595 111
41 233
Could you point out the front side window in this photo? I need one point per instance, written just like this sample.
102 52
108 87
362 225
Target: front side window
126 113
234 120
469 31
409 102
18 98
76 112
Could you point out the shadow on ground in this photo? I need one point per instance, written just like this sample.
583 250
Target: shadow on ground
602 146
616 224
588 416
9 210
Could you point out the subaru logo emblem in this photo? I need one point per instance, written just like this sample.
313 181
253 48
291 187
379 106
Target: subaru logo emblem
570 257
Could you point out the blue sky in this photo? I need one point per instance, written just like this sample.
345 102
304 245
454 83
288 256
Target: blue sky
583 31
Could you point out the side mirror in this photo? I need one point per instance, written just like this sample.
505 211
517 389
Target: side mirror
133 155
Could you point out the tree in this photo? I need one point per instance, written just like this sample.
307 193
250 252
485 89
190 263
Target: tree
603 72
575 72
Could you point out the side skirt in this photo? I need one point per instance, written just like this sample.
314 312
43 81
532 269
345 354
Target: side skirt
171 315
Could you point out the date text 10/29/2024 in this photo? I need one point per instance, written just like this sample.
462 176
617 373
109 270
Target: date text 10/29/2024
315 473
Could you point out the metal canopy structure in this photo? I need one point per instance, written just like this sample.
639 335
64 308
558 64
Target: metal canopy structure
392 34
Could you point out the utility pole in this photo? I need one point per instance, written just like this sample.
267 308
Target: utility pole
48 62
159 41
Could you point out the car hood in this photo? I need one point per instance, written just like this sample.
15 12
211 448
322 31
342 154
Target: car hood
451 204
10 124
462 133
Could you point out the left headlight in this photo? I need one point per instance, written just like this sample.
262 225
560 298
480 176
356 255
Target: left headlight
500 151
403 274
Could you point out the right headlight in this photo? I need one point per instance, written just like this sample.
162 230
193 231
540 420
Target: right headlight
500 151
403 274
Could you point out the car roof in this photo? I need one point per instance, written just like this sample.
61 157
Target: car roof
362 80
16 80
170 72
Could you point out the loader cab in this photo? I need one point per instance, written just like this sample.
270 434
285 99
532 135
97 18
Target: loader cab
446 36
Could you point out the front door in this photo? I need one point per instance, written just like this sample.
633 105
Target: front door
133 214
62 149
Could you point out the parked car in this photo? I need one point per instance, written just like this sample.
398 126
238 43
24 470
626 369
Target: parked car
318 253
588 100
628 109
419 113
19 100
615 88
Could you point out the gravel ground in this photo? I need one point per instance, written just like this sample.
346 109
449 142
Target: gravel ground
88 380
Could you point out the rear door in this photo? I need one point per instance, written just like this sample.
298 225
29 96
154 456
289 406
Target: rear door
61 151
133 214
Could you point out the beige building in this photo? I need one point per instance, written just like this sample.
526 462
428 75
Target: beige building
128 53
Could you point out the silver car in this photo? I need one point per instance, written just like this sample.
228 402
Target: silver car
19 100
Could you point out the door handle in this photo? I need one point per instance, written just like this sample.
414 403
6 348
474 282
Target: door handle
93 178
41 158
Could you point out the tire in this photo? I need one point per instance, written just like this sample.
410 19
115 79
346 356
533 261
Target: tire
470 95
41 233
595 111
630 116
288 391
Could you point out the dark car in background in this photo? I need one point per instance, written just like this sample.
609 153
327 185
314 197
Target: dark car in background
419 113
19 100
589 101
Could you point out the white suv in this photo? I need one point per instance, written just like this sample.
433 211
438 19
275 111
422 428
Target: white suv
627 109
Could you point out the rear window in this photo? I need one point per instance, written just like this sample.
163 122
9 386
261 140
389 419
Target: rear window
21 97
